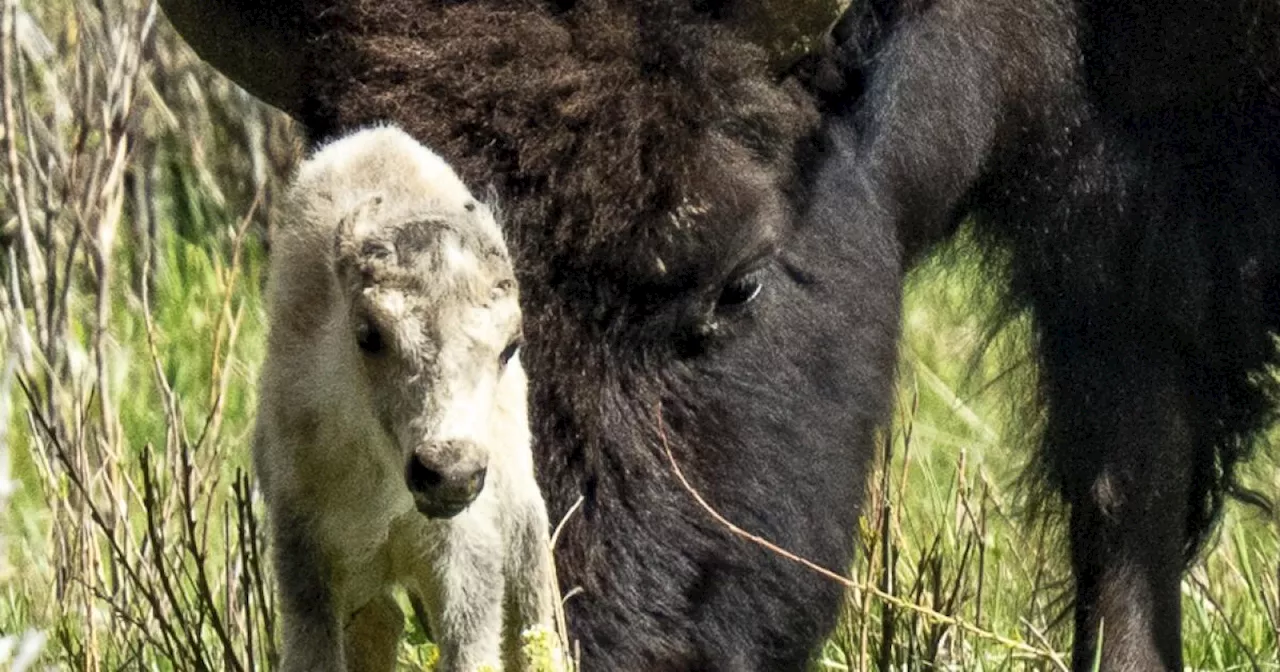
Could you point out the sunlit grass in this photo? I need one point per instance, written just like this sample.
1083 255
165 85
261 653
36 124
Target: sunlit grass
962 537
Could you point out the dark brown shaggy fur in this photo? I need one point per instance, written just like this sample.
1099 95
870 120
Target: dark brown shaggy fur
597 122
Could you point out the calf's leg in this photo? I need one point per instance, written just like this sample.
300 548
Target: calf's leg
529 577
464 593
373 635
312 635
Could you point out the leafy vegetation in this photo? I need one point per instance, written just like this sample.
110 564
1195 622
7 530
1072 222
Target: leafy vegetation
137 192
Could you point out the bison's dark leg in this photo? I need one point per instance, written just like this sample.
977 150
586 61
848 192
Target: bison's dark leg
1120 439
1154 340
978 105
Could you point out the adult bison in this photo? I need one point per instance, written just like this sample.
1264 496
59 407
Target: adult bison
712 237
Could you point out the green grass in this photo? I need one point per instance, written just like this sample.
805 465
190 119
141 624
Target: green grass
97 552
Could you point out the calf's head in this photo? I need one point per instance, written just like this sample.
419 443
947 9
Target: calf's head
428 320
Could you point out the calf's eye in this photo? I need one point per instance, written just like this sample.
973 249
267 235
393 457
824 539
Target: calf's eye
510 351
369 339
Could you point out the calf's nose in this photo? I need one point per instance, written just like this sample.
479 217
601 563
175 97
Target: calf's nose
445 479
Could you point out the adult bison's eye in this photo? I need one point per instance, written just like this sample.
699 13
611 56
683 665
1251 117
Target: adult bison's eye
510 351
740 291
369 339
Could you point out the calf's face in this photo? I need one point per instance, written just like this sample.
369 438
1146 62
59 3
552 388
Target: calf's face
432 323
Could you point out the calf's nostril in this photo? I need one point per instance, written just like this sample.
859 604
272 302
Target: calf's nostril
421 477
475 483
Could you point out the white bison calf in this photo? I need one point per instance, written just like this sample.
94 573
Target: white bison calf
392 440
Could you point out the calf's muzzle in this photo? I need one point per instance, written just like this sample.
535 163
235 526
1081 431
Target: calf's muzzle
445 477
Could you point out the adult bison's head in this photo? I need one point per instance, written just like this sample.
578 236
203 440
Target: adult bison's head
678 290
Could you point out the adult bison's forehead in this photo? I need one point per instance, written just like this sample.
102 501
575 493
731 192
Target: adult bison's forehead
630 140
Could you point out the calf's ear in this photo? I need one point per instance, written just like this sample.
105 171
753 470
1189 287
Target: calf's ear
256 43
361 257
